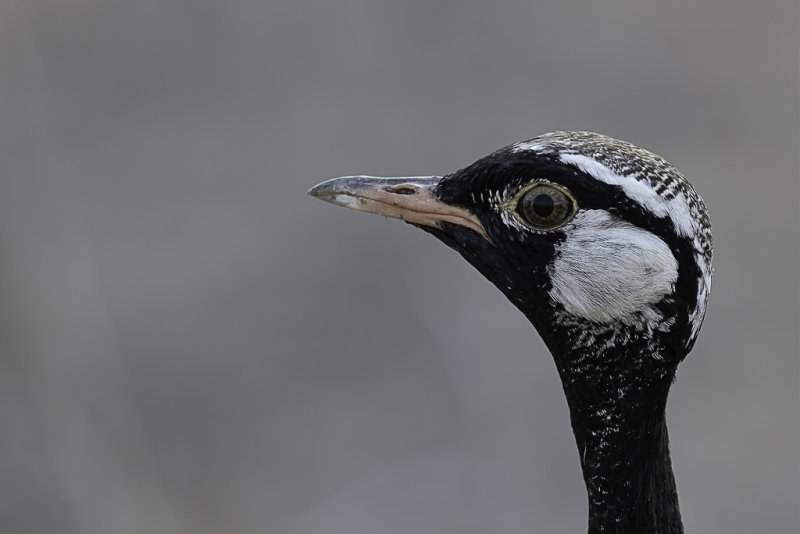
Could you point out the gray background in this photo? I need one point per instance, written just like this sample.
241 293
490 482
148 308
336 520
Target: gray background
190 344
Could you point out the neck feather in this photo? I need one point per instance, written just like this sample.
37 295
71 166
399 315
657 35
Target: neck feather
628 475
617 398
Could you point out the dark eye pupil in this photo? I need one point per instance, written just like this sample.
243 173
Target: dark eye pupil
543 205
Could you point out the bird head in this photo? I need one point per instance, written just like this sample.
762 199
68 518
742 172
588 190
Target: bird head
599 243
606 248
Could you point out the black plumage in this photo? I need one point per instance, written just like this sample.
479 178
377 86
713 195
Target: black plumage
606 249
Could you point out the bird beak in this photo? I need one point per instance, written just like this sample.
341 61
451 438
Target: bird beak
411 199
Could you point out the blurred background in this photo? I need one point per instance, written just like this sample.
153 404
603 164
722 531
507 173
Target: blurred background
190 344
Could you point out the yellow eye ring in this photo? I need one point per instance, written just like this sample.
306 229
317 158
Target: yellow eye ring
543 206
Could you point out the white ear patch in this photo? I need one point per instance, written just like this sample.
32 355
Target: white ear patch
608 269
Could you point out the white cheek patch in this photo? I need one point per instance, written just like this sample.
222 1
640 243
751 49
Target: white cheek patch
607 269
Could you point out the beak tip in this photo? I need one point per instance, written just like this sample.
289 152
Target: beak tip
322 191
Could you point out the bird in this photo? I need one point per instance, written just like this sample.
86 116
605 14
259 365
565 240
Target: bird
606 248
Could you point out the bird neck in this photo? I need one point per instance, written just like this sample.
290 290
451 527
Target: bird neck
628 473
617 400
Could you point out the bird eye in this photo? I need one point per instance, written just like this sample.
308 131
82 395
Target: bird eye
545 206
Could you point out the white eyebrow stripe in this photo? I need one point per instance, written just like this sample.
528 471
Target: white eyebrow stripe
677 208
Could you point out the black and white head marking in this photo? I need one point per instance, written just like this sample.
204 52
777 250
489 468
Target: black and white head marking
607 268
576 228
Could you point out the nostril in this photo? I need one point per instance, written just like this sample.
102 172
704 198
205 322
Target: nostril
401 190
